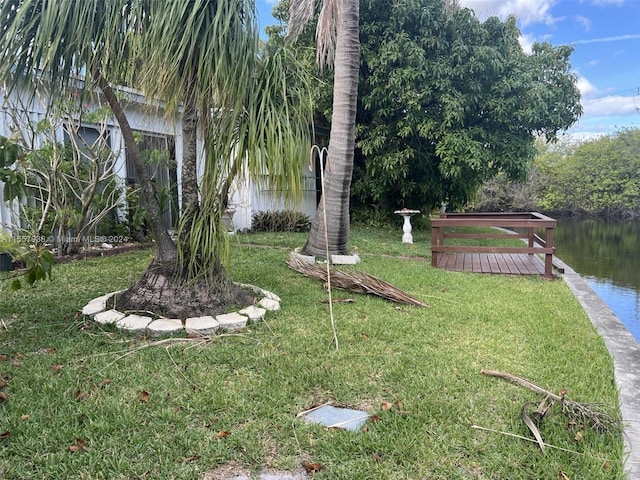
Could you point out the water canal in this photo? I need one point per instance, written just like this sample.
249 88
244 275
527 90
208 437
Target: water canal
607 255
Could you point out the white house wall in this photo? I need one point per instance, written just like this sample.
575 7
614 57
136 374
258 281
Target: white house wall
247 197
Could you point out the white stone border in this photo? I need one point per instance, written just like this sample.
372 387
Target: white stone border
97 309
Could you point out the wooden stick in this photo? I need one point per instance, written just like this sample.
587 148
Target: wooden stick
477 427
523 382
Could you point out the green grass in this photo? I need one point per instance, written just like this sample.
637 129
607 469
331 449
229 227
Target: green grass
427 362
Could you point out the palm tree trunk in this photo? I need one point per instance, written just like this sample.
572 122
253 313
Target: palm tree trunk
339 169
165 248
189 181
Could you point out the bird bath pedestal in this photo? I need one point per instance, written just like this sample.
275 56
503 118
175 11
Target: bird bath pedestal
406 227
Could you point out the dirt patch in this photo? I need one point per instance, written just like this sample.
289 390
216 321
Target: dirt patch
103 252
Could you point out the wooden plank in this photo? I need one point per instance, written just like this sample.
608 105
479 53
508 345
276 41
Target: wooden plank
503 264
476 262
493 264
519 264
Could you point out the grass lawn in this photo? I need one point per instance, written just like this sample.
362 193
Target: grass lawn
132 409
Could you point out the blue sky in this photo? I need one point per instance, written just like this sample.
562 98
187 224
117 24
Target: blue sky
606 60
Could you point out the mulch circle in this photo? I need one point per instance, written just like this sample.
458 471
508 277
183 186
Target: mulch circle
103 252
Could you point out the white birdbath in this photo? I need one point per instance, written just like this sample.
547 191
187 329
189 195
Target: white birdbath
406 227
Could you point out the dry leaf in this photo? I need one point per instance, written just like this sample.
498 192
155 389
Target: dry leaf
106 381
144 396
55 368
312 467
192 458
3 383
3 396
563 476
374 418
377 457
78 446
222 434
24 417
78 395
4 357
364 335
578 436
4 435
387 406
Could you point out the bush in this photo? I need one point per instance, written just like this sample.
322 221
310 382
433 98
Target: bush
280 221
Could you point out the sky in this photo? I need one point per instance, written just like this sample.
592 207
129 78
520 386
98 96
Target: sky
606 59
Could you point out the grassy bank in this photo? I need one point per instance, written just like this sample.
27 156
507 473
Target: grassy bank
149 411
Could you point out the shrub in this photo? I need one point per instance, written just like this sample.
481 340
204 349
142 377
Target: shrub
280 221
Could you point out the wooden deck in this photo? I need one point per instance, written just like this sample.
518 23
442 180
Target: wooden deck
470 253
496 263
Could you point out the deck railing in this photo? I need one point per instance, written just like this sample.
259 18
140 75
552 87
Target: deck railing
525 223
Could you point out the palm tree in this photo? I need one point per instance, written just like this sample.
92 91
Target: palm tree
192 55
337 33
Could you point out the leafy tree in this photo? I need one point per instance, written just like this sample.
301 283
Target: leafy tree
73 185
599 177
337 33
254 118
447 102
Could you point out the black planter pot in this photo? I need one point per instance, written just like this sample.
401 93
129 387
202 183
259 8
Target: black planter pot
6 264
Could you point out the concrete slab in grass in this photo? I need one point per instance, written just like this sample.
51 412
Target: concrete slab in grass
269 304
165 326
108 316
134 323
335 417
254 313
206 325
232 321
94 306
345 259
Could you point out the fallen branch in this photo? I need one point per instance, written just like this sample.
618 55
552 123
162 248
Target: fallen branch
585 413
509 434
357 282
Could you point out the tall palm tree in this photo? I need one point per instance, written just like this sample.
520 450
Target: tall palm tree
338 44
192 55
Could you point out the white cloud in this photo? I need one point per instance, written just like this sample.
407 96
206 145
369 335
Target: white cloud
526 11
608 2
596 103
526 42
584 21
609 106
587 89
616 38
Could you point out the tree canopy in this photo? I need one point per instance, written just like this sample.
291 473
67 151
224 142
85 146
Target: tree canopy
447 102
598 177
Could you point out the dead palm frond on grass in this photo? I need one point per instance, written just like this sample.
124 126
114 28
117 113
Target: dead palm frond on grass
357 282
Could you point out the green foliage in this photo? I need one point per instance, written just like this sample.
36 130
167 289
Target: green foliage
598 177
500 194
448 102
32 252
11 174
280 221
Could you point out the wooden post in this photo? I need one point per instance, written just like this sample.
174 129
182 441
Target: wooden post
548 258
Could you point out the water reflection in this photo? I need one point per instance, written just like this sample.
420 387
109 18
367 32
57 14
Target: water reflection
607 255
